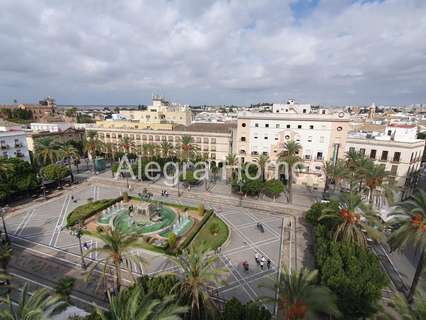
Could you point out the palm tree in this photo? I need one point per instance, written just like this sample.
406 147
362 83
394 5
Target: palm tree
352 220
117 248
231 161
70 153
199 272
187 147
64 288
335 172
126 144
92 145
299 297
38 306
166 149
5 168
374 178
263 161
133 304
410 216
148 150
46 151
358 165
109 151
291 157
402 310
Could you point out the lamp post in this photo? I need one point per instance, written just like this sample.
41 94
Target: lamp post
3 212
78 232
241 184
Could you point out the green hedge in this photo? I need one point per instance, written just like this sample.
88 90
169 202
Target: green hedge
196 229
88 210
205 237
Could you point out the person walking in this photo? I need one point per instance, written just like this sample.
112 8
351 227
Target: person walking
268 264
257 257
263 260
261 264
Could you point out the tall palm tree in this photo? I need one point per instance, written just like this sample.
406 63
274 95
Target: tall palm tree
38 306
148 150
353 220
358 165
402 310
231 162
109 150
127 144
199 272
187 147
299 297
133 304
291 156
335 172
263 161
46 151
117 248
374 178
166 149
92 145
70 153
410 218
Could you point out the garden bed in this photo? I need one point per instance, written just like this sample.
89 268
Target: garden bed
207 238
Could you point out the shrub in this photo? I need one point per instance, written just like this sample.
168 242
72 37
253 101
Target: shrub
196 229
201 209
234 310
273 188
214 228
171 240
55 172
88 210
189 178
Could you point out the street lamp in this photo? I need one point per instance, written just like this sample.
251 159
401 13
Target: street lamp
3 212
241 184
78 232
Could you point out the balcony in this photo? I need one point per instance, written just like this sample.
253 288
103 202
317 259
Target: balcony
20 155
18 145
5 146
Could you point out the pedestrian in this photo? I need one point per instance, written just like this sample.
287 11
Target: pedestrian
261 265
268 264
263 259
257 257
72 197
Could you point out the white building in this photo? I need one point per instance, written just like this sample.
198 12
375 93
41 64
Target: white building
13 144
51 127
397 149
291 107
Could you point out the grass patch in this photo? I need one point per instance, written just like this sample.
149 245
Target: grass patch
205 236
88 210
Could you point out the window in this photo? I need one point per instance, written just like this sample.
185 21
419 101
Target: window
266 125
304 110
299 126
206 140
373 154
321 139
394 170
311 127
339 128
255 137
319 155
396 156
307 157
243 124
389 132
265 153
287 137
256 125
362 151
266 137
277 125
323 111
213 140
243 138
288 126
384 156
310 139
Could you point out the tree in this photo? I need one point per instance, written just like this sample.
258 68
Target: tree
117 247
126 144
166 149
72 112
291 156
68 152
54 172
92 145
351 218
199 272
231 161
335 173
273 188
136 305
64 288
46 150
252 187
405 311
299 297
188 149
5 257
410 218
374 178
38 306
263 161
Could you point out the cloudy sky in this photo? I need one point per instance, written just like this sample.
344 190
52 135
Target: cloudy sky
213 52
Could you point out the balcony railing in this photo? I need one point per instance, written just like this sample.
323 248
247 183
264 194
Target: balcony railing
4 146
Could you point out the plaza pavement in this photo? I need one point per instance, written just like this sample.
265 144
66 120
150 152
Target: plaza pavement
39 228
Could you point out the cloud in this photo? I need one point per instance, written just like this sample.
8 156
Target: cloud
201 51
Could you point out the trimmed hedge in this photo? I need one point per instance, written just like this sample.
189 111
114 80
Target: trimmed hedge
205 236
88 210
196 229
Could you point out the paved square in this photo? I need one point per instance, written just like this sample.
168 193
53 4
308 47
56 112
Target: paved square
43 223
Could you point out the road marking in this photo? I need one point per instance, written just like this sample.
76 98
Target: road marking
58 220
18 229
51 288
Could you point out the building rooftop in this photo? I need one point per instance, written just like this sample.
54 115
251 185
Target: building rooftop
207 127
11 133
